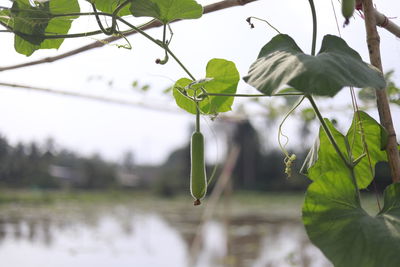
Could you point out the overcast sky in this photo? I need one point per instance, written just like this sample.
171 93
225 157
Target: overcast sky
89 126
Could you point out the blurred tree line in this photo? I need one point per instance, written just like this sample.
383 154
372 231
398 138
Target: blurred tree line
34 165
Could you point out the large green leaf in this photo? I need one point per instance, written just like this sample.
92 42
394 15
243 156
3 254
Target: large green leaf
109 6
167 10
323 156
222 77
332 213
345 233
31 23
281 62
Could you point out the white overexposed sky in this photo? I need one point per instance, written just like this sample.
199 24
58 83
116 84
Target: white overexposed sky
88 126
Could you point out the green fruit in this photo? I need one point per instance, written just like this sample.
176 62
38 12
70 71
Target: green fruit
348 7
198 179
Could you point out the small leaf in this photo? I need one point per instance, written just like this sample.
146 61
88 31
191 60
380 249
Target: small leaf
166 10
222 77
281 62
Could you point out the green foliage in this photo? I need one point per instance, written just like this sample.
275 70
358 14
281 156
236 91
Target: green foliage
345 233
366 129
332 213
166 10
32 23
323 156
222 77
318 160
282 62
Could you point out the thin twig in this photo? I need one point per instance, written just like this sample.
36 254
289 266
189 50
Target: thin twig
207 9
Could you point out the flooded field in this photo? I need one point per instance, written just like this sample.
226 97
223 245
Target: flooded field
256 231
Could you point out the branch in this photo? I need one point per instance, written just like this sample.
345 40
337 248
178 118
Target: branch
207 9
382 20
373 41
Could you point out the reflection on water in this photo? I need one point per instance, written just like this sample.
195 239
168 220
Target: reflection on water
123 236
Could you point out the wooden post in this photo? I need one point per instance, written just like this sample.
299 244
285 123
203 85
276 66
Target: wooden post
373 41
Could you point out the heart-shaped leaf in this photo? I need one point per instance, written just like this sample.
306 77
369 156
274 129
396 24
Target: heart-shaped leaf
167 10
222 77
281 62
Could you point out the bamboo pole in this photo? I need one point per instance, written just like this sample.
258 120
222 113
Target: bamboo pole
384 22
373 42
381 20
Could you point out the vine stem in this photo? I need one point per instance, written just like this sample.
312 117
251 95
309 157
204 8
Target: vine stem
314 34
254 95
83 34
373 42
197 117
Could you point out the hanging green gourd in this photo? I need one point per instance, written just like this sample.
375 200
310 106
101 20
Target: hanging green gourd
198 177
348 7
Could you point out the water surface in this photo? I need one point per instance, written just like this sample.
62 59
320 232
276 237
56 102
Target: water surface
133 233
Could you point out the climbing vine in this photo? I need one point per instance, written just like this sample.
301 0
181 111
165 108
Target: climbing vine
340 165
